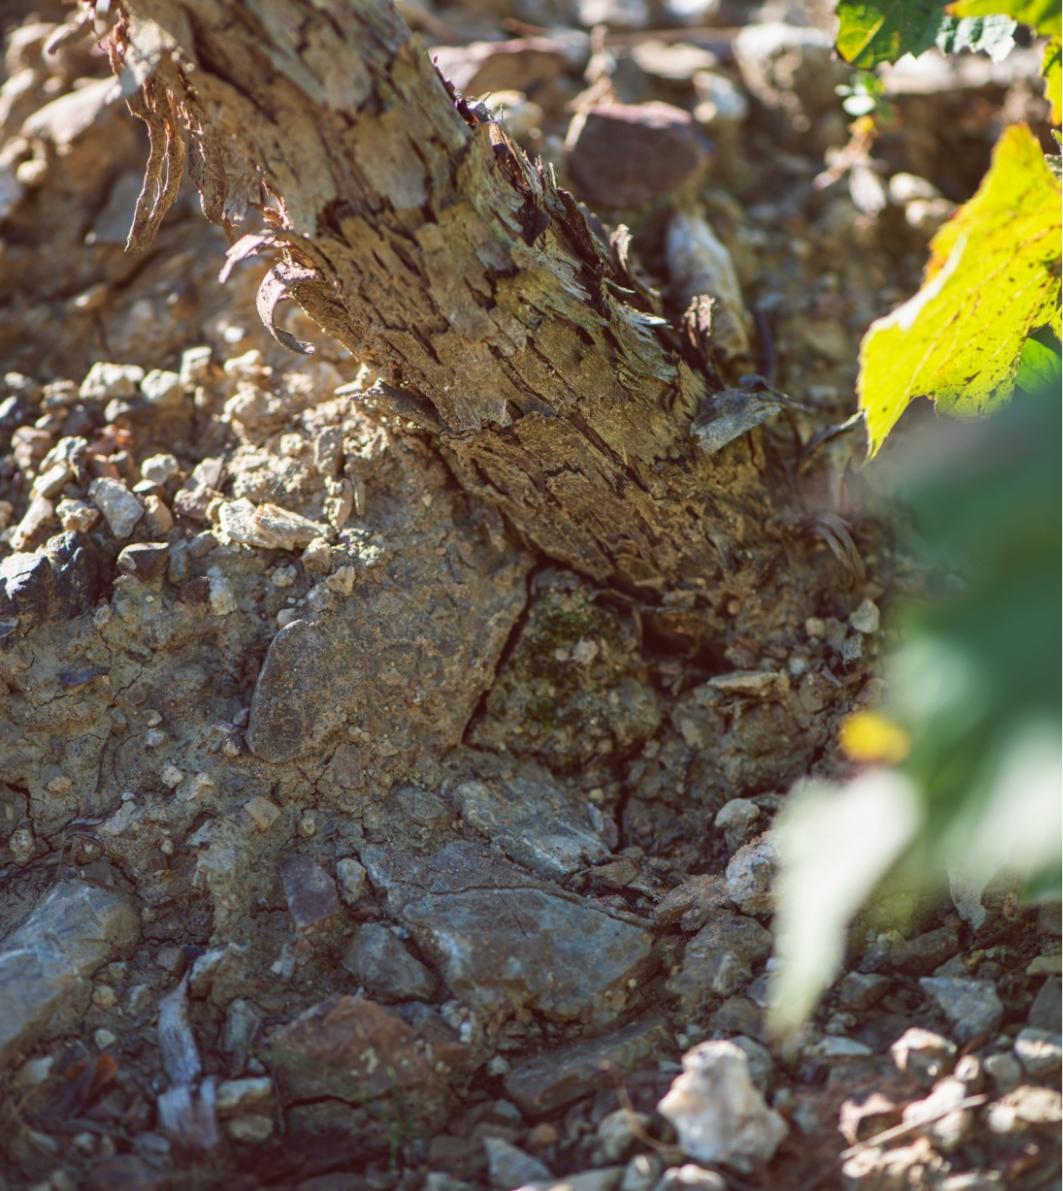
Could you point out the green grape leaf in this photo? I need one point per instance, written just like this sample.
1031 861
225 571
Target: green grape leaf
993 275
874 31
1042 15
1051 69
994 35
1039 368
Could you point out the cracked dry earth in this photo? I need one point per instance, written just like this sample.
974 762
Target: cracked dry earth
348 845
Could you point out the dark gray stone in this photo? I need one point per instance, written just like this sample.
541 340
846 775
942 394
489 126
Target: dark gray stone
719 959
1047 1006
75 576
25 588
561 1076
861 990
620 155
972 1006
310 891
921 955
144 560
300 691
389 973
502 938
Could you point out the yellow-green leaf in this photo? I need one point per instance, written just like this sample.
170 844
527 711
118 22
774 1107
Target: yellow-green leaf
1042 15
874 31
1053 73
993 274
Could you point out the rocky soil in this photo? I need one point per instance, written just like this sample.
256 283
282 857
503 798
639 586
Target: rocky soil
345 844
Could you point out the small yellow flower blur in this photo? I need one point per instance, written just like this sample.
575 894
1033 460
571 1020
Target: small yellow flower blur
870 737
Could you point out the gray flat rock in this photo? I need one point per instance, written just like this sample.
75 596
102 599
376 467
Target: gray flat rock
533 823
560 1076
77 928
503 938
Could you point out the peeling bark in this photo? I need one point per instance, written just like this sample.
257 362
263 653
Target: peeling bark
499 321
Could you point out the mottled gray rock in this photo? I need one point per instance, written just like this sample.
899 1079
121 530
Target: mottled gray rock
533 823
120 508
300 692
1045 1011
503 938
1040 1052
310 891
1004 1070
44 962
105 381
620 155
160 388
972 1006
761 1064
923 954
737 819
351 876
570 690
509 1167
924 1055
750 875
719 1115
1050 919
558 1077
377 960
691 904
861 990
719 959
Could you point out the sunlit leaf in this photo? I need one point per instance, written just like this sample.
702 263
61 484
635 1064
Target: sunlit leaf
993 275
1052 69
1042 15
877 31
993 35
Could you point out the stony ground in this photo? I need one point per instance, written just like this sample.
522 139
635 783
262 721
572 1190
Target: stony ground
346 844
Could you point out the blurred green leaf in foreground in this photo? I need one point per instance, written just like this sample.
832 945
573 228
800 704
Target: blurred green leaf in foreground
963 770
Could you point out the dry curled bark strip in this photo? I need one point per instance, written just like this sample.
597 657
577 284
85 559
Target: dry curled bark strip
152 105
437 253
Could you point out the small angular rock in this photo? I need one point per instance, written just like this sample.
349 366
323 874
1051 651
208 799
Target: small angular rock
509 1167
145 561
1040 1052
389 973
737 820
621 155
533 823
544 1084
120 508
310 891
972 1006
719 1115
750 875
349 1046
924 1055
